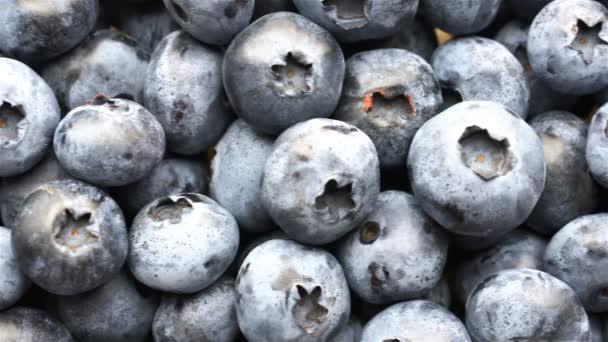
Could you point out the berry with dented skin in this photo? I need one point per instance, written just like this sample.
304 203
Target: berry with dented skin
33 325
183 89
70 237
462 160
109 142
29 114
281 70
596 151
13 283
321 180
290 292
460 17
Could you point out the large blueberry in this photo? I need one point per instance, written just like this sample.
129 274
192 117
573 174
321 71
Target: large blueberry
22 324
597 146
13 283
460 17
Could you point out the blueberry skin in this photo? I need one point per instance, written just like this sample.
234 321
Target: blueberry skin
237 171
36 31
389 94
567 46
281 70
527 305
462 160
182 243
514 36
212 22
577 254
569 192
527 9
517 249
13 283
116 311
379 267
14 190
29 114
353 21
321 180
183 89
33 325
276 234
70 237
208 315
302 297
415 320
108 62
171 177
480 69
109 142
460 17
597 146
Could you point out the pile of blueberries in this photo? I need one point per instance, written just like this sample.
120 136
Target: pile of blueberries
303 170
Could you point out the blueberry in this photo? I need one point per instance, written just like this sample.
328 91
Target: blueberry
321 180
29 114
379 267
281 70
578 255
477 168
182 243
212 22
109 142
289 292
568 46
414 321
357 20
36 31
208 315
13 283
108 62
70 237
183 89
569 192
116 311
251 245
597 146
460 17
518 249
236 180
525 305
32 325
480 69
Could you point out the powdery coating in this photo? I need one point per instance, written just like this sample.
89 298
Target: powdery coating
518 249
35 31
569 192
236 178
480 69
110 142
208 315
415 321
597 146
379 267
462 160
182 243
290 292
27 324
212 21
116 311
184 91
170 177
578 255
357 20
13 283
29 114
14 190
527 9
281 70
70 237
389 94
568 46
525 305
321 180
108 62
148 25
460 17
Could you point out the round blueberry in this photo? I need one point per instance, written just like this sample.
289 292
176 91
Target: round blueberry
33 325
596 151
460 17
13 283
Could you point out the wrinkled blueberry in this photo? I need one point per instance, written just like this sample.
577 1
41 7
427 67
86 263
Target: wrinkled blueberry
597 146
460 17
13 283
32 325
